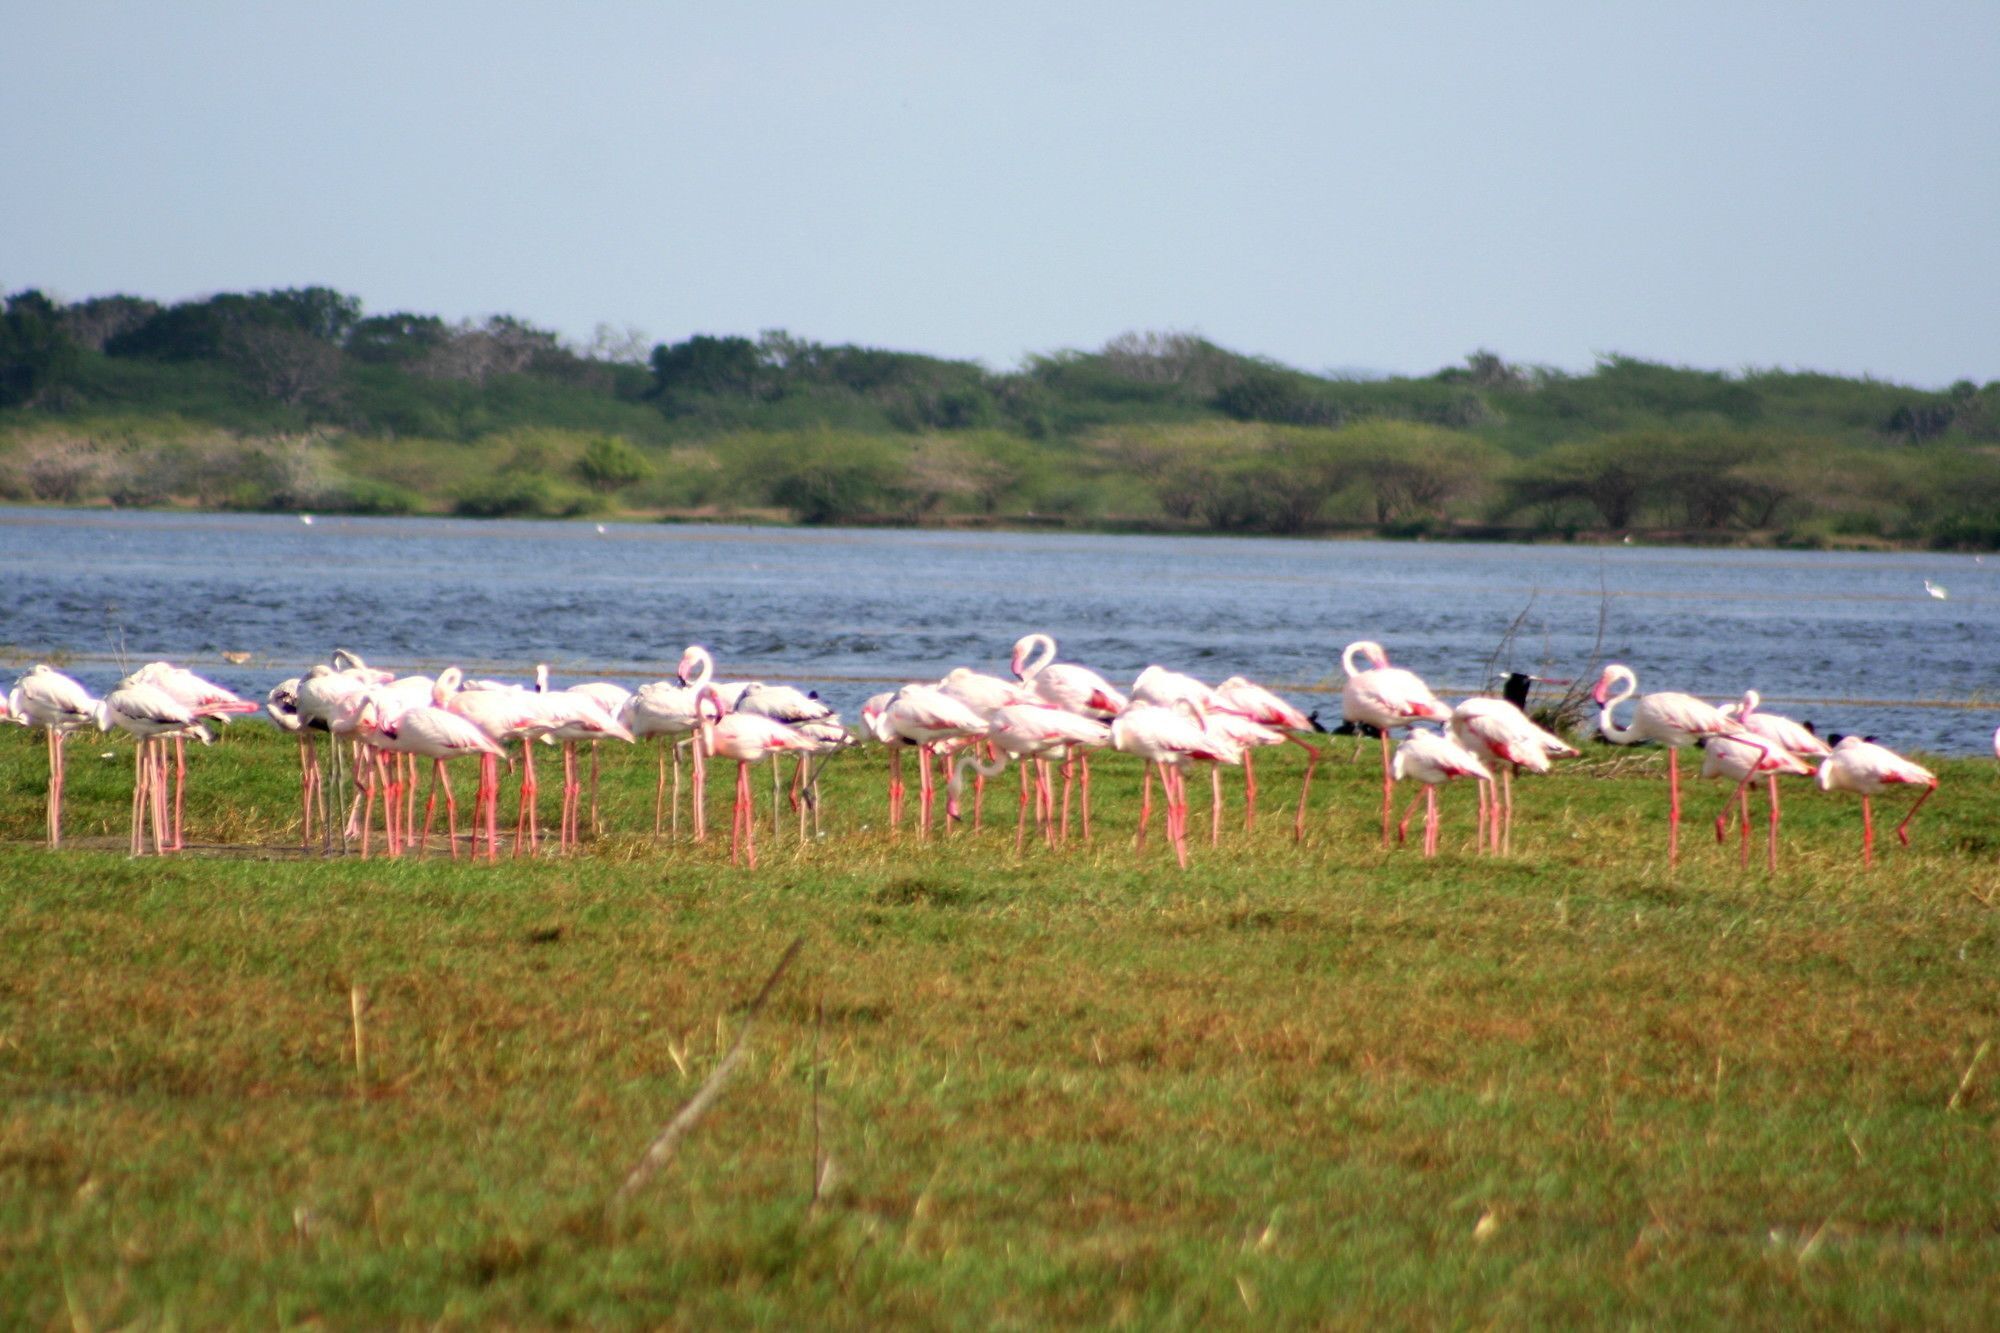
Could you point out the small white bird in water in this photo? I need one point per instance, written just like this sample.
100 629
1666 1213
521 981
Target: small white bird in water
600 529
306 519
1935 591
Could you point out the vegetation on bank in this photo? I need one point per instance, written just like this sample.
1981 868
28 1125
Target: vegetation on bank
296 399
1295 1086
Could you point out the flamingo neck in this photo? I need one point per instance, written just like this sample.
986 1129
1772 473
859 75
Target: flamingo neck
1607 725
704 667
1362 647
1041 651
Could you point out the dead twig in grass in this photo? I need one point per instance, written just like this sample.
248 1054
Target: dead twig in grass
1966 1081
661 1150
357 1003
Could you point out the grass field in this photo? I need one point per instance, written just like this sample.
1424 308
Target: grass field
1315 1085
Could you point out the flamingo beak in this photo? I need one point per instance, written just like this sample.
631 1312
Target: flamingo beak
1598 692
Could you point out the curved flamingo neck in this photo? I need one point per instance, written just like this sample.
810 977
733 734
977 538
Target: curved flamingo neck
1041 650
704 668
706 693
445 686
1606 723
1374 652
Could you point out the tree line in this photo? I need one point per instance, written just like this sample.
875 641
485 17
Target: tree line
299 398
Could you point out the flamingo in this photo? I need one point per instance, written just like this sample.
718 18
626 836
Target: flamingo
59 705
206 700
1245 698
1072 688
607 695
1497 730
1862 766
571 716
923 716
505 716
1030 732
149 714
1742 762
984 695
1167 739
437 734
326 695
662 708
1385 697
1433 759
1792 737
797 709
1667 718
748 739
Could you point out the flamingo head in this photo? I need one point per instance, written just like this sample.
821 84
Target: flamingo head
1020 658
1602 690
709 694
445 686
690 663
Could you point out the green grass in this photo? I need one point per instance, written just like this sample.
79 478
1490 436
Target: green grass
1294 1085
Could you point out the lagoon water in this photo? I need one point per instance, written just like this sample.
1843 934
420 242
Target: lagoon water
1851 641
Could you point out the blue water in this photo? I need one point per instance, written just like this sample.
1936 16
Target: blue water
1851 641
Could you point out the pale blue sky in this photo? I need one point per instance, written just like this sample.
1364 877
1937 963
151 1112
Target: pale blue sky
1388 185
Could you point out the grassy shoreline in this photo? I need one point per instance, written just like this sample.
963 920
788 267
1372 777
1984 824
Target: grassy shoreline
1297 1084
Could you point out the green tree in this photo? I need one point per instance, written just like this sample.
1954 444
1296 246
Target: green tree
35 353
610 463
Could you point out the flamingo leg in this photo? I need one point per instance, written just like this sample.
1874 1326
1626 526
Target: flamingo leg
1430 821
1145 809
1068 776
979 791
700 762
1403 824
1483 842
367 806
1083 772
138 795
1045 800
596 827
1305 786
1180 806
776 827
1771 827
430 812
1021 813
1903 829
1388 789
749 815
180 785
660 791
1673 806
1215 805
1249 792
1743 823
1507 789
1867 834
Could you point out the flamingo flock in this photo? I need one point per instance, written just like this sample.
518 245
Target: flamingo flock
1051 717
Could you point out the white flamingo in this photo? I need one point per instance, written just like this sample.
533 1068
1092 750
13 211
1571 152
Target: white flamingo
1433 759
1385 697
59 705
1666 718
149 714
1074 689
1859 765
1499 732
748 739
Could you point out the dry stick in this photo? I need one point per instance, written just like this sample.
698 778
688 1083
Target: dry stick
357 1001
1966 1081
819 1021
661 1150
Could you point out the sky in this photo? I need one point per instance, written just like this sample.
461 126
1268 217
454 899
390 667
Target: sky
1339 186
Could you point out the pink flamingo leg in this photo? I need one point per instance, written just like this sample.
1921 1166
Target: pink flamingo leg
1903 829
1249 792
1507 787
138 795
1867 834
895 789
1083 770
1145 809
1305 787
749 815
1388 790
1430 822
1403 824
1771 837
1021 814
1068 776
1673 806
1180 815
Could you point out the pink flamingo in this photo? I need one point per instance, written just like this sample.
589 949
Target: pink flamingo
666 709
572 716
150 715
206 700
984 695
1666 718
323 697
505 716
1433 759
1497 731
1166 739
1030 732
1742 763
748 739
806 713
437 734
58 704
923 716
1385 698
1074 689
607 695
1245 698
1862 766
